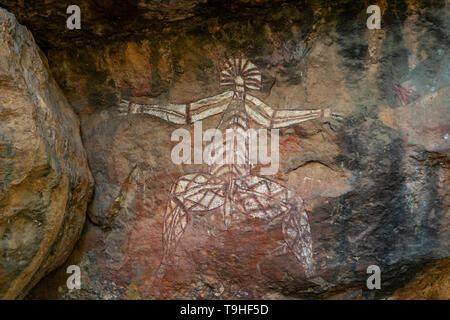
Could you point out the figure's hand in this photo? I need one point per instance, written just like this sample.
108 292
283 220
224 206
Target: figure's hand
333 119
328 115
124 107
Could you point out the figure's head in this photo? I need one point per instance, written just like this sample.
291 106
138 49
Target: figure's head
241 75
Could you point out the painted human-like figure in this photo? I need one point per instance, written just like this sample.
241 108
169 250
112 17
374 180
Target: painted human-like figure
231 188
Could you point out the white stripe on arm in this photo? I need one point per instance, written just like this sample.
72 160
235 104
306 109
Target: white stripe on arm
264 115
181 113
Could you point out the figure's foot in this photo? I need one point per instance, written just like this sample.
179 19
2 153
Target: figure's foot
154 284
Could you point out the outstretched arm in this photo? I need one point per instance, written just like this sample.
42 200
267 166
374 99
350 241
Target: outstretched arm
264 115
180 113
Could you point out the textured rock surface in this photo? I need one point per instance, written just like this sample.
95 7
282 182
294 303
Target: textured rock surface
45 180
375 185
102 20
432 283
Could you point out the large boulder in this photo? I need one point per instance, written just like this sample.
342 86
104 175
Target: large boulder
45 180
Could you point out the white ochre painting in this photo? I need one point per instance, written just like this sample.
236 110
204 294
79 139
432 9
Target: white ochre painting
230 187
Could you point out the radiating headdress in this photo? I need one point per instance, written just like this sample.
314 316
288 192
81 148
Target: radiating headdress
241 74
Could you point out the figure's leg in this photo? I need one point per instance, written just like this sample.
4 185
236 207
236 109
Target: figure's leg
265 199
260 197
176 220
192 194
297 235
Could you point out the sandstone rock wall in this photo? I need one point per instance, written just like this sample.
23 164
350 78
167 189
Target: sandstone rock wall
375 184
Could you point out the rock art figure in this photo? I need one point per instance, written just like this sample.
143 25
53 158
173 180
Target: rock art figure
231 188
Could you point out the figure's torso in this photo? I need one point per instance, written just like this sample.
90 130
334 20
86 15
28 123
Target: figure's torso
234 119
